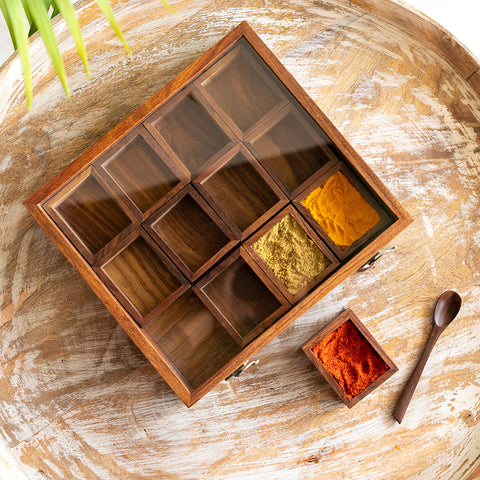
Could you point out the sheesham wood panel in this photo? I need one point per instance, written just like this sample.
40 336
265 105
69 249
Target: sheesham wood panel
125 422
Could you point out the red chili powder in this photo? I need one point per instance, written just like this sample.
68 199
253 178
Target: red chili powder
350 359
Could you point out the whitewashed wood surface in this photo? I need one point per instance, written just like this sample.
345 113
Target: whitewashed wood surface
79 401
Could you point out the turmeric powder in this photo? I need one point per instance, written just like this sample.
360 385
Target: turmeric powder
341 210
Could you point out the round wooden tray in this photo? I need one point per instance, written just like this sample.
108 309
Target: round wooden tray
78 400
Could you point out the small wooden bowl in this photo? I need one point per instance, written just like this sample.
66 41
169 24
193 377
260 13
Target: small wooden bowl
345 317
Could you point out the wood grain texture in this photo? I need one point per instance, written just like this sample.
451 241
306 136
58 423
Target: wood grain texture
241 192
191 233
148 182
78 400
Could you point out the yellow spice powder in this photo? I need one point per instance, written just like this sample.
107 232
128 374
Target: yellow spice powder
291 254
341 211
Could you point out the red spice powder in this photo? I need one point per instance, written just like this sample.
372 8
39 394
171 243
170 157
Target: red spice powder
350 359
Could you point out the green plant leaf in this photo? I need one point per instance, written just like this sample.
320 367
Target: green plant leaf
42 20
66 9
27 13
33 27
106 9
13 13
55 10
6 16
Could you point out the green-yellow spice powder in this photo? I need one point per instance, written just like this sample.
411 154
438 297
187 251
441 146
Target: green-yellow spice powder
291 254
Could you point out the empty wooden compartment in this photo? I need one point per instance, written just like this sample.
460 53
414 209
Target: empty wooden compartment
88 213
342 209
292 148
143 173
189 130
349 358
242 87
245 302
241 191
141 276
291 254
190 232
194 342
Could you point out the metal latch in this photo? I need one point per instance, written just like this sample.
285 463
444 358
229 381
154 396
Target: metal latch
370 263
242 368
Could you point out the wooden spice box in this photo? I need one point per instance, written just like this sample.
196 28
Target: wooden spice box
159 216
349 316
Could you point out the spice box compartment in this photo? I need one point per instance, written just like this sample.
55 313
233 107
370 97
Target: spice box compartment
190 131
346 346
242 74
240 191
191 233
292 148
87 201
141 276
156 216
290 254
192 344
241 297
146 183
343 210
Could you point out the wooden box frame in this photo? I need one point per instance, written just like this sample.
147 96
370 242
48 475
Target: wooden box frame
318 337
38 206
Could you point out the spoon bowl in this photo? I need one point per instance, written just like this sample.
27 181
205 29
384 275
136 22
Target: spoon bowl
447 307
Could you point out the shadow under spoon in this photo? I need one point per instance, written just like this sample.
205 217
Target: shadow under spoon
446 309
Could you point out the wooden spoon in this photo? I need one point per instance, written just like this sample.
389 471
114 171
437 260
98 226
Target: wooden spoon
446 309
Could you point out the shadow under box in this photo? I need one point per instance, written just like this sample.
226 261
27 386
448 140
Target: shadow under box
192 339
190 232
292 148
241 87
243 300
190 130
290 254
141 276
88 214
142 173
343 211
240 191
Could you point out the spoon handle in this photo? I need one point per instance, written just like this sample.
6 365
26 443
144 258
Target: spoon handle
406 396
